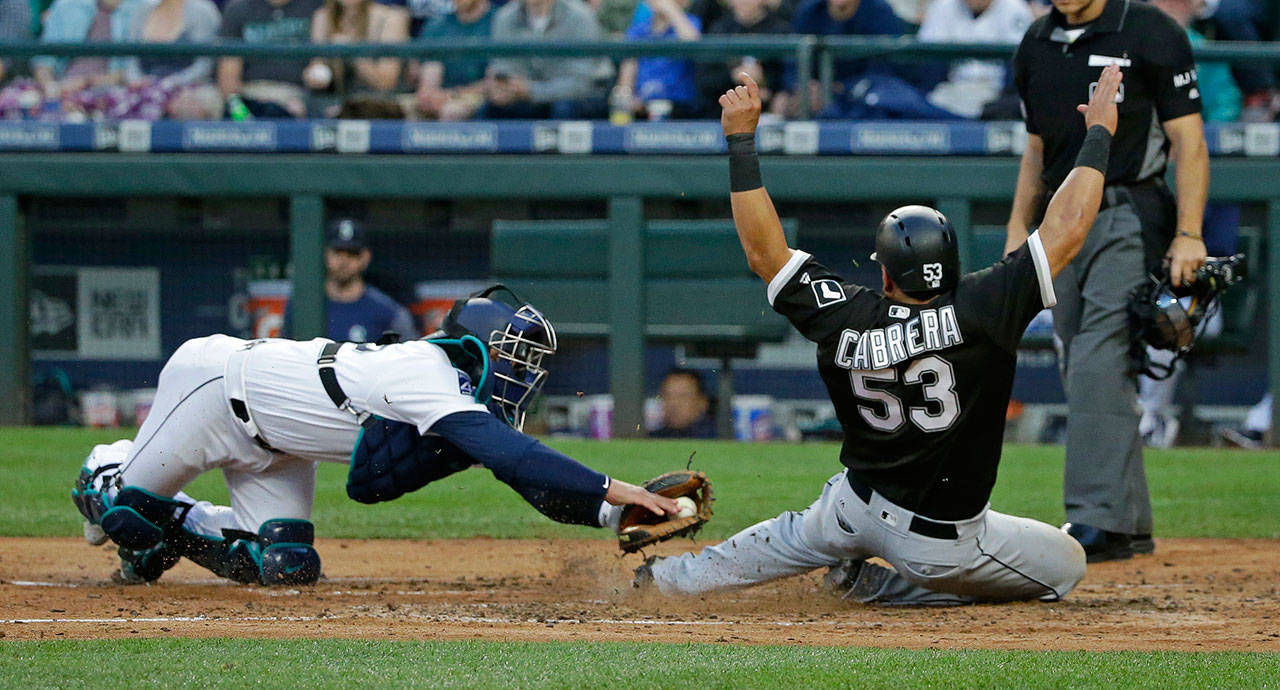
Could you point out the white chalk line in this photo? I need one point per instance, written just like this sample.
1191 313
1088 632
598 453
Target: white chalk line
429 617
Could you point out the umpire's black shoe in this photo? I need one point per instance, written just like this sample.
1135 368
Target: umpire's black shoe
1099 544
1143 543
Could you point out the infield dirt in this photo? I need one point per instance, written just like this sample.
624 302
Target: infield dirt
1192 594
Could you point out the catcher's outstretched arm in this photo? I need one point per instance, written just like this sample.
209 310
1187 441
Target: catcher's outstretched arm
759 229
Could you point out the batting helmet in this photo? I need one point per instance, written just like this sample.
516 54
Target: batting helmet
917 246
517 337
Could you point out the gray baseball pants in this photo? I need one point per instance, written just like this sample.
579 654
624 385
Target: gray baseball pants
995 557
1105 483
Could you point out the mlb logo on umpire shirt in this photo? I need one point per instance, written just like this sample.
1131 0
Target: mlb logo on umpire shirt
827 292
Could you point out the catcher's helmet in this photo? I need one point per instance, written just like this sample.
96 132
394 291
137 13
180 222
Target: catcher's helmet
517 337
1168 318
918 248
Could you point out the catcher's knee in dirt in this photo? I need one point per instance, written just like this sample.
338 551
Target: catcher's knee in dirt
139 519
288 555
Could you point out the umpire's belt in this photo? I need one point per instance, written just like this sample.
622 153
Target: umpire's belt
920 525
234 382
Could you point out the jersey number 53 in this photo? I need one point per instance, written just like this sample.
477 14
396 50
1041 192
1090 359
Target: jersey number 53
932 373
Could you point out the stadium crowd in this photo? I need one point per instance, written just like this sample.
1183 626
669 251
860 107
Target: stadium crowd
462 88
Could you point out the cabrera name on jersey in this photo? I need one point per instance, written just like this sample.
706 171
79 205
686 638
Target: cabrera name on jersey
880 348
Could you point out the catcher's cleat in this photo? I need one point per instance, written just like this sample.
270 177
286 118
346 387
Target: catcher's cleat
142 567
94 534
644 574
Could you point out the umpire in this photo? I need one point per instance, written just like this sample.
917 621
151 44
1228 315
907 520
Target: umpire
1140 228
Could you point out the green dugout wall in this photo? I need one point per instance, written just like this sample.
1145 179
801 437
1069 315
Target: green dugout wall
625 181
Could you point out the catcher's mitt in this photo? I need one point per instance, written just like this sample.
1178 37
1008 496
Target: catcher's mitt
639 527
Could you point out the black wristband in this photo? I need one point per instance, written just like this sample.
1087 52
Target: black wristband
1095 150
744 165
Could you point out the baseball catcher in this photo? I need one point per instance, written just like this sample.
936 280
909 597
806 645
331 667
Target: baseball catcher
402 415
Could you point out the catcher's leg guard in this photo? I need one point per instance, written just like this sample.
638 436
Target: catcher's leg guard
281 553
288 557
138 567
139 519
89 501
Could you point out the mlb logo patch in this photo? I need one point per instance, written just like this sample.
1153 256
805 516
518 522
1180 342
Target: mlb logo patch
464 384
827 292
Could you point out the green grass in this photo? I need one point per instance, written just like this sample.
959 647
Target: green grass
1197 492
335 663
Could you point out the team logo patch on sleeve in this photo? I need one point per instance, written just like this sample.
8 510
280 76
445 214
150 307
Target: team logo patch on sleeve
827 292
464 384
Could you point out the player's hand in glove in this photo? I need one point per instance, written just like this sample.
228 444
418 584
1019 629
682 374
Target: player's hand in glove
636 499
639 527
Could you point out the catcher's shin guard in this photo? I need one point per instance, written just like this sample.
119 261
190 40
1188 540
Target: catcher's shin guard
288 557
139 519
281 553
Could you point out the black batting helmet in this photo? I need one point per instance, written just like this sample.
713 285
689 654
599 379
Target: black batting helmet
917 246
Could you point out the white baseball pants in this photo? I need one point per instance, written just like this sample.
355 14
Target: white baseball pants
191 430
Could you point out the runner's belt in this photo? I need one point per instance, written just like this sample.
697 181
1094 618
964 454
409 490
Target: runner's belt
920 525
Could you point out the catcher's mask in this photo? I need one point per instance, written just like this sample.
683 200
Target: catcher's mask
1159 318
517 338
917 247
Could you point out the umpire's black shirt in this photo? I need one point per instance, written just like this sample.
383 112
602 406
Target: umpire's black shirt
1057 67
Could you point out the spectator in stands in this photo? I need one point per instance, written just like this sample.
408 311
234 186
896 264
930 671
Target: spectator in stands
744 17
356 310
356 21
267 87
864 89
614 15
15 25
422 12
82 21
535 87
661 86
453 89
685 406
181 87
972 84
1246 20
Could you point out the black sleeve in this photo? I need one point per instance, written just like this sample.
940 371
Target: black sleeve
1170 71
1020 81
1003 298
818 302
232 25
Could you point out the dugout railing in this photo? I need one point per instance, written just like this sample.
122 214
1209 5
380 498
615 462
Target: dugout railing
625 181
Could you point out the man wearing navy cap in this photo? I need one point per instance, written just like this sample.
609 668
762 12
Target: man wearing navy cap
357 311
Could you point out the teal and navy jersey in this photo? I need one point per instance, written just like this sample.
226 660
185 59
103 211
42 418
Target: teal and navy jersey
920 390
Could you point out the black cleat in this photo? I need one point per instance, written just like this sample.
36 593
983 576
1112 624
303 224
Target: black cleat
1142 543
644 574
1101 545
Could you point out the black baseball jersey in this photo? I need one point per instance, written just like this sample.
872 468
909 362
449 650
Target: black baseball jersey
920 390
1057 67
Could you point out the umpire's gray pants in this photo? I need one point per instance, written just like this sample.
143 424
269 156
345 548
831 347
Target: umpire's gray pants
1105 484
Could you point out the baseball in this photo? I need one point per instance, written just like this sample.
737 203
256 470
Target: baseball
687 507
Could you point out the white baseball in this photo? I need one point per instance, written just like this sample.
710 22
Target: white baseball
687 507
